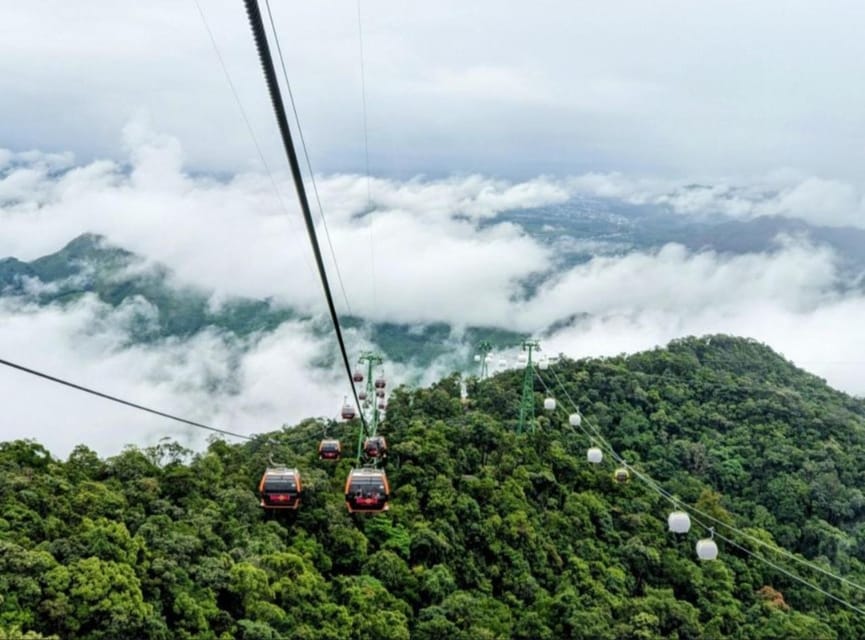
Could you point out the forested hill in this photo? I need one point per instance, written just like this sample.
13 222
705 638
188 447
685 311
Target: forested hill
490 534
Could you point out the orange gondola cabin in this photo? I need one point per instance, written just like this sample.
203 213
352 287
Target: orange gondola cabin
367 491
280 488
375 447
329 450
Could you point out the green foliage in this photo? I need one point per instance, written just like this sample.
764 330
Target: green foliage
490 535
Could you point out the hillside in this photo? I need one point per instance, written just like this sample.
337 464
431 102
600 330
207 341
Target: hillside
90 265
490 534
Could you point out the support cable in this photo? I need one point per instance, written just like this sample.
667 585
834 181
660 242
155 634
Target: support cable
260 36
306 154
647 479
366 153
134 405
246 121
596 437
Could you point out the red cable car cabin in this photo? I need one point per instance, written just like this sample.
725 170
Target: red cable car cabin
375 447
348 412
280 488
367 491
329 450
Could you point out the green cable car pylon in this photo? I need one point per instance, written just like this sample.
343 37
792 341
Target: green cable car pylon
527 403
373 391
482 356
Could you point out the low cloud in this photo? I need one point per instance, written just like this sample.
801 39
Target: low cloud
246 386
427 251
818 201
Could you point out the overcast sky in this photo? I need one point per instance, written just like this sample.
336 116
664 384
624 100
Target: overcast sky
514 89
115 118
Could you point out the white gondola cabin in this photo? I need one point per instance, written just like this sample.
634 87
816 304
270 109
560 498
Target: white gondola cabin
707 549
679 522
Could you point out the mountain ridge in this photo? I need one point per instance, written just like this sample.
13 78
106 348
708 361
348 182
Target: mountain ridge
491 534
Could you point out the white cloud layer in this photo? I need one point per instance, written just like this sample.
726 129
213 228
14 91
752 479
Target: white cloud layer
438 254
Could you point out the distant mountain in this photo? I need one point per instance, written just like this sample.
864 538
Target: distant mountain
91 265
587 226
578 230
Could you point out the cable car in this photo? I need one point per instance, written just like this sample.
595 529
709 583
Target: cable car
679 522
280 488
367 491
329 450
707 549
621 475
550 404
375 447
594 455
380 383
357 376
348 412
379 393
361 395
382 405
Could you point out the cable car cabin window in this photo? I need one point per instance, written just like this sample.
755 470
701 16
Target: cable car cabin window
367 487
279 485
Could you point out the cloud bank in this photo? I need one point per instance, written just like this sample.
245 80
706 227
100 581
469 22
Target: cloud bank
427 250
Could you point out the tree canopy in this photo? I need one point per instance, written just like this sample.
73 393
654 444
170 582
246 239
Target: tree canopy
490 534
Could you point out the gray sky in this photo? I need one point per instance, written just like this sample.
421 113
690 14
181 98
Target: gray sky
510 89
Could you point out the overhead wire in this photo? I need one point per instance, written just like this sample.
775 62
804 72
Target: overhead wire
260 36
128 403
306 154
648 480
792 575
246 121
369 206
678 503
